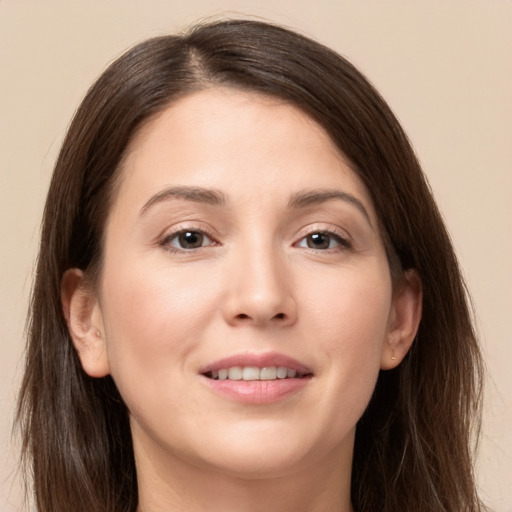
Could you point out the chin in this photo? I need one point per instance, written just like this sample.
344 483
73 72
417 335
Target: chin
264 453
266 463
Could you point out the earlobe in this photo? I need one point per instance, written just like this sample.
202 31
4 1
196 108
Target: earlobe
85 323
404 320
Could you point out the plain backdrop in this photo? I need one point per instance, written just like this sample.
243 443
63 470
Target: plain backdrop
445 68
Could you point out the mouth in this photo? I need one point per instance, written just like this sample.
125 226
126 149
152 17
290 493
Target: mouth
251 373
256 378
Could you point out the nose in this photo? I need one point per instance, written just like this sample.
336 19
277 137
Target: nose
261 291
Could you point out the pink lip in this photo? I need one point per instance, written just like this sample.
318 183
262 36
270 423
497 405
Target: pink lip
260 360
257 391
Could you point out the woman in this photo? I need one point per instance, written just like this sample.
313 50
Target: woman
245 298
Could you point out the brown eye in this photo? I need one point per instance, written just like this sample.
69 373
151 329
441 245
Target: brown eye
322 240
187 240
190 240
318 241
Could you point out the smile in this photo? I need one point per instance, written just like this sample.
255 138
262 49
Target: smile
254 373
256 379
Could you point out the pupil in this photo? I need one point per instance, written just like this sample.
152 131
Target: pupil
191 240
318 241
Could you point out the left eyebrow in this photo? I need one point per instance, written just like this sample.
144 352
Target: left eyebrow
313 197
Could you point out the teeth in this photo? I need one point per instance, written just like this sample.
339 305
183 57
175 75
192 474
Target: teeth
235 373
254 373
251 373
269 373
281 372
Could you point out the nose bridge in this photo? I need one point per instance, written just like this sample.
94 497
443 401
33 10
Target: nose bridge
260 287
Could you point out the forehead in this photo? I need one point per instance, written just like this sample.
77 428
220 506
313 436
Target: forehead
238 142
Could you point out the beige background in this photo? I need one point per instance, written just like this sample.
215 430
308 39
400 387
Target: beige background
444 66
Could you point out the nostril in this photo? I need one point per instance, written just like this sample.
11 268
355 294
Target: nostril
242 316
280 316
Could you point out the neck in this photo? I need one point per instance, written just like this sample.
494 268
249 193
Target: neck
181 486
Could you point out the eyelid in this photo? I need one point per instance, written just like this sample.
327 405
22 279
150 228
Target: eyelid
345 240
170 234
343 237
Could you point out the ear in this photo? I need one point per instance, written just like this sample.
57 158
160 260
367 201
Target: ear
85 323
404 320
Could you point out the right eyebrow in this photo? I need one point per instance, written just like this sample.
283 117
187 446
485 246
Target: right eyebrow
195 194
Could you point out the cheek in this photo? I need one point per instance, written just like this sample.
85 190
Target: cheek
153 318
352 324
352 309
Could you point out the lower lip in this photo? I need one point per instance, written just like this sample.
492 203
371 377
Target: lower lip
257 391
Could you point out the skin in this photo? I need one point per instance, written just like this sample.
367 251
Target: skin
161 312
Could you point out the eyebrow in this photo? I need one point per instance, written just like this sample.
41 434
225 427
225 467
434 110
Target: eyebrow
195 194
313 197
215 197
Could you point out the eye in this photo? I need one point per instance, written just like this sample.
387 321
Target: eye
187 239
322 240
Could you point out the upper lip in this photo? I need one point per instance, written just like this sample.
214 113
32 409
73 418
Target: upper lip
263 360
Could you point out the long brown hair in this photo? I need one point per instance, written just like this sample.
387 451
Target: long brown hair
413 448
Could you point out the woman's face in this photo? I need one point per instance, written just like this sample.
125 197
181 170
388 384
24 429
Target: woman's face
240 243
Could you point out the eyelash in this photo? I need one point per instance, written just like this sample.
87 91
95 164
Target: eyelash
166 241
343 243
